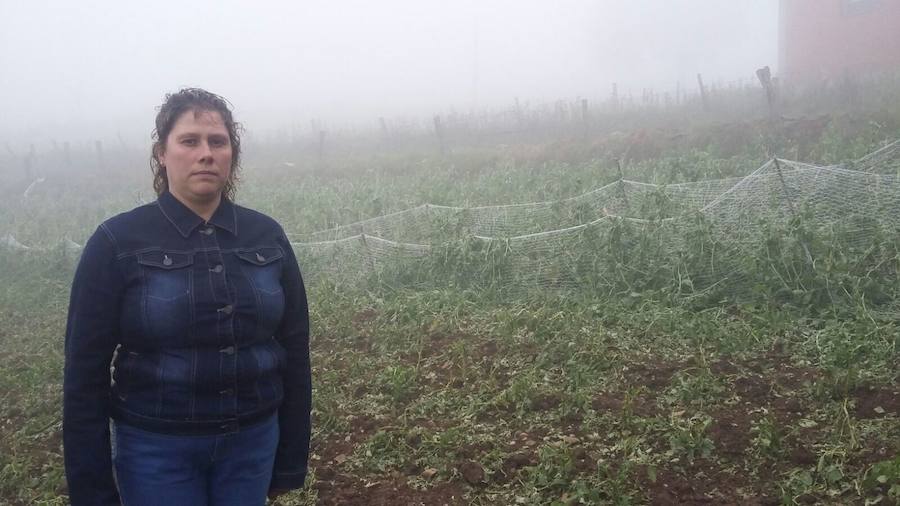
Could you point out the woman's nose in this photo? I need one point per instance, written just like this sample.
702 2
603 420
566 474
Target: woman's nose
205 151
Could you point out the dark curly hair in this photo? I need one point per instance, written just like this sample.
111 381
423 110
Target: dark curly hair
196 100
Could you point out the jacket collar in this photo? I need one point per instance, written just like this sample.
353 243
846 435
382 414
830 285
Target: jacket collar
185 220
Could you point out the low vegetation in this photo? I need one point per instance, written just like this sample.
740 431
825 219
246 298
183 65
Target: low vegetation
441 388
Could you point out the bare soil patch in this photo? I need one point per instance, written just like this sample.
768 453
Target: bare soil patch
872 402
655 374
703 484
730 431
513 464
471 472
344 490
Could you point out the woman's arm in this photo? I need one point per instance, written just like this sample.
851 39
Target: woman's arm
91 338
294 414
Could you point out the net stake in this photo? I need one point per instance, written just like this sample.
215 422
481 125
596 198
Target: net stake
790 201
622 184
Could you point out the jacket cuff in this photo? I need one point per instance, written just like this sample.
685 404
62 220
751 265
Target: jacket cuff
287 481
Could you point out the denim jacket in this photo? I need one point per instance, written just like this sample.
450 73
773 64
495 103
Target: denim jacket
206 327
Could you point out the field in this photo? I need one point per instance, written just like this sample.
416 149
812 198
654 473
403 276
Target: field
438 382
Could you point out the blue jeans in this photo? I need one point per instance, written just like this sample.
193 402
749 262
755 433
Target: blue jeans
165 470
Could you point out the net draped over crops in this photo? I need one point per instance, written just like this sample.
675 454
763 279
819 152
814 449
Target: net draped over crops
787 224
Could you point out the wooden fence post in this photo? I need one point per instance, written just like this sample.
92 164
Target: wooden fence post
615 97
585 123
439 131
703 96
385 133
321 149
765 78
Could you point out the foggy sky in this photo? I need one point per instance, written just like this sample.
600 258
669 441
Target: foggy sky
98 68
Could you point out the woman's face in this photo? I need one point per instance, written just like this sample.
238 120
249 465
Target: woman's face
197 156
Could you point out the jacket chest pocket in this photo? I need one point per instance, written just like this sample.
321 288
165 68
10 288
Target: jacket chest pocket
262 269
167 288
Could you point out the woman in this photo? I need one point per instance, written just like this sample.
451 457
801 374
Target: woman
199 305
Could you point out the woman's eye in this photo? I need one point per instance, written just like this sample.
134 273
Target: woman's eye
189 142
217 142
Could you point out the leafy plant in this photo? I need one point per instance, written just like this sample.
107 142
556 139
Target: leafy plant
688 438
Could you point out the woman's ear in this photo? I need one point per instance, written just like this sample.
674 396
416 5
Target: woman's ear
159 151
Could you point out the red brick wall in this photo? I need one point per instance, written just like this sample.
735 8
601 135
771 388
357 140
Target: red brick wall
829 38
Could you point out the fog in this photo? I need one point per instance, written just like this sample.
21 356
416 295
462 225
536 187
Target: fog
97 69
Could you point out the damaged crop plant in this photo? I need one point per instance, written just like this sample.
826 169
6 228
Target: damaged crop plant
709 329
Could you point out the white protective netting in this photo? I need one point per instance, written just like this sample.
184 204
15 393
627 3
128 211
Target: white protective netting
700 233
883 161
429 223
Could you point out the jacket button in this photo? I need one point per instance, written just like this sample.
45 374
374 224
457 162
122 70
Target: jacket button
206 231
218 268
260 258
167 261
227 391
228 351
227 309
